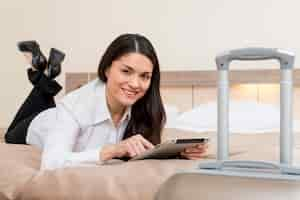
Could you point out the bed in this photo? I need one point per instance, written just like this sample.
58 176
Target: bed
20 178
185 91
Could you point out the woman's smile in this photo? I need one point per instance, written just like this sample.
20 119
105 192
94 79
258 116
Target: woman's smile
130 93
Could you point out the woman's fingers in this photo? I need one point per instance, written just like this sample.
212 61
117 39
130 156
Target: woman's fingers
136 145
197 148
133 146
130 149
140 147
144 142
195 152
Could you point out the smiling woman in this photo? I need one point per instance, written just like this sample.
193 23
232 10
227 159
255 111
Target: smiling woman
120 114
130 69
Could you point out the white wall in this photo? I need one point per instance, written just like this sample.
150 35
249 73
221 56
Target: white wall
187 34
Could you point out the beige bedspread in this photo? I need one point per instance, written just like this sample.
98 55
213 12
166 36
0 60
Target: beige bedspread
20 178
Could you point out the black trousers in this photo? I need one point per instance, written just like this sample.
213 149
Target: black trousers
40 98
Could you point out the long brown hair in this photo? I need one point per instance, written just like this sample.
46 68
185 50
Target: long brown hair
147 114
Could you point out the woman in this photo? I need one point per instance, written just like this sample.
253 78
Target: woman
120 114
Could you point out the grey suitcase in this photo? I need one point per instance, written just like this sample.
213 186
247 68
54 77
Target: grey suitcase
223 178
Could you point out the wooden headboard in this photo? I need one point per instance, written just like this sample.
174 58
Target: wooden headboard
187 89
194 78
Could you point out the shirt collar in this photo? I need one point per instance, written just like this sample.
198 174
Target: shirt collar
101 111
127 114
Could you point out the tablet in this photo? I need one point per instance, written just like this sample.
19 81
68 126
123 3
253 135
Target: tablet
170 148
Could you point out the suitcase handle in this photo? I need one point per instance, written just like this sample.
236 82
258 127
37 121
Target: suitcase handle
285 58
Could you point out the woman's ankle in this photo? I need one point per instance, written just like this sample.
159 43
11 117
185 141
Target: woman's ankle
34 75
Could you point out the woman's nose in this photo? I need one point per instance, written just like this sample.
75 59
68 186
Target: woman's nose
134 82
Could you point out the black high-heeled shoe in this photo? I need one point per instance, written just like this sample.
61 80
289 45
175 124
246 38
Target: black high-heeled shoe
38 61
54 63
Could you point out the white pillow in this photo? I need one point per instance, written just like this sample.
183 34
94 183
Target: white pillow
244 117
172 113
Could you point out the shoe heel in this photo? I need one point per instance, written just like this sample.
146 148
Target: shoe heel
54 63
38 61
56 56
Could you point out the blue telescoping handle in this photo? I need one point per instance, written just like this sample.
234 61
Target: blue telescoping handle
285 58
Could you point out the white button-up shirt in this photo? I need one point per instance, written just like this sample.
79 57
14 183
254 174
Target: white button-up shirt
74 132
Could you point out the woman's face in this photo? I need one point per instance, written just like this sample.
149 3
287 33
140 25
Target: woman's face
128 79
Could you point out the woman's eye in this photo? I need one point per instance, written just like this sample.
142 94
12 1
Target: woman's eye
125 71
146 77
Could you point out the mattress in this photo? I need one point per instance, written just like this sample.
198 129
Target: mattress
21 179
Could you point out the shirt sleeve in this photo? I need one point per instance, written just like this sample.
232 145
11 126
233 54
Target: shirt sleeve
59 144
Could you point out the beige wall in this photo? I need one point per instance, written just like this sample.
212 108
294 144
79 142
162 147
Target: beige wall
187 34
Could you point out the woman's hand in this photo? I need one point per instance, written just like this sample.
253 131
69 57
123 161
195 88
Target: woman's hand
130 147
195 152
